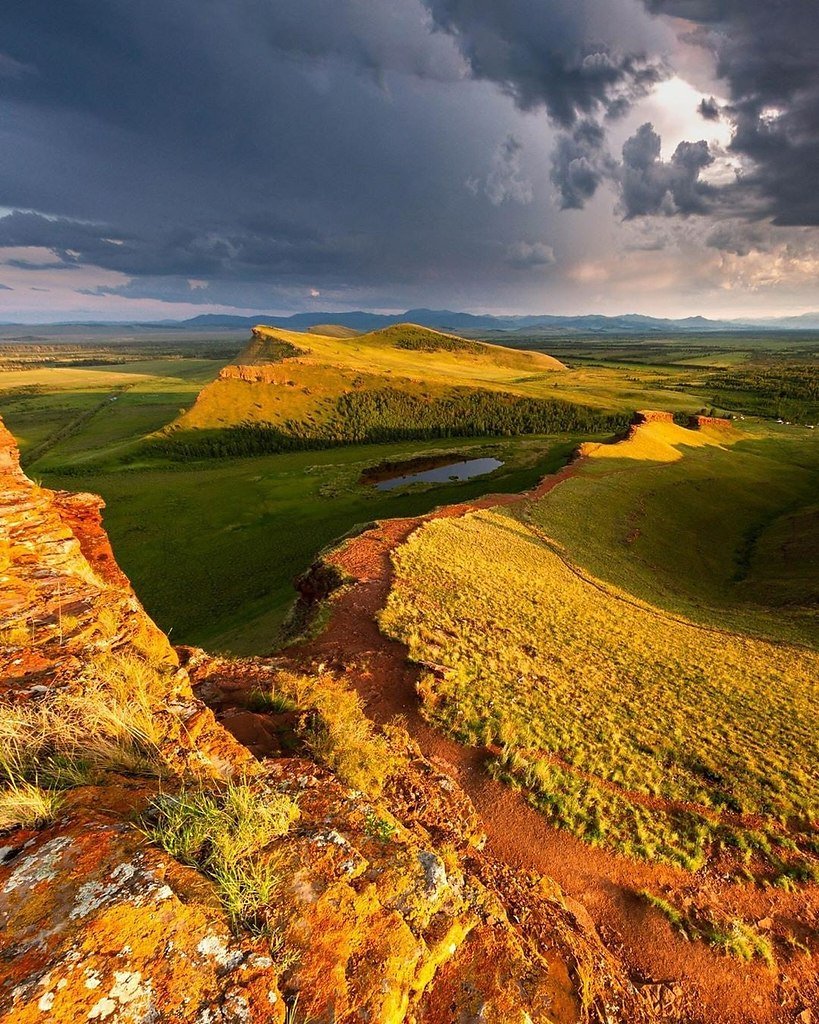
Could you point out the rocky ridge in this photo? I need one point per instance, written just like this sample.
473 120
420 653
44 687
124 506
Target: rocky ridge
384 910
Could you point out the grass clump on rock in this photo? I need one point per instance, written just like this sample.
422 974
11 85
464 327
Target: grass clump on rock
26 805
225 835
66 737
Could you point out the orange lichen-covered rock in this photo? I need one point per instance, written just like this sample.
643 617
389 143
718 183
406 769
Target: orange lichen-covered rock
65 606
384 910
652 416
700 422
96 926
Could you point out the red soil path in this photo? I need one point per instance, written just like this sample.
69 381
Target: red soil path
716 989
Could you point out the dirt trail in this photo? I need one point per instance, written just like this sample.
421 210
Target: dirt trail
717 989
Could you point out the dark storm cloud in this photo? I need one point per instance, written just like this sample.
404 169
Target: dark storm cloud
766 52
250 141
580 163
651 185
376 149
202 102
573 57
709 109
244 250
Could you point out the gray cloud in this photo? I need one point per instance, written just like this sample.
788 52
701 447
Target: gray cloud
272 149
650 185
505 181
529 254
709 109
766 53
573 57
245 250
580 163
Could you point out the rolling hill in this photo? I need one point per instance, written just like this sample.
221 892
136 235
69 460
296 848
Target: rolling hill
290 390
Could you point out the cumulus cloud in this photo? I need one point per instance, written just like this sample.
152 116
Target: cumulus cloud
505 181
580 163
651 185
572 57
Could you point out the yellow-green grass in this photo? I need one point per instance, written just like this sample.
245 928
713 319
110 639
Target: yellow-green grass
305 387
226 835
83 414
731 935
26 805
618 720
238 532
334 331
717 525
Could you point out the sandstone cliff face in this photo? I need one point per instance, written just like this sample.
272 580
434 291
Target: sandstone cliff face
384 908
700 422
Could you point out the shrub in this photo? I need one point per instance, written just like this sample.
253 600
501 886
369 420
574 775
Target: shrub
391 414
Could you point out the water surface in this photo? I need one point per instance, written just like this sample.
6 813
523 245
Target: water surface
465 469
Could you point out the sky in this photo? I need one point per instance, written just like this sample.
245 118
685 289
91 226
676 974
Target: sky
167 158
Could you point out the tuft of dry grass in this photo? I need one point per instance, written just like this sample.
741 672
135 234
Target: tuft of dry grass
225 835
25 805
108 723
338 733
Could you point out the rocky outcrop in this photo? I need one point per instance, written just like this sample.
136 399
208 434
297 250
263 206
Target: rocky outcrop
652 416
701 422
382 907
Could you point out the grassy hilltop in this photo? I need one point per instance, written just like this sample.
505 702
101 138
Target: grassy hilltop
290 391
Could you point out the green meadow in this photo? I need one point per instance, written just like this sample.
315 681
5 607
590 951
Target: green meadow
213 545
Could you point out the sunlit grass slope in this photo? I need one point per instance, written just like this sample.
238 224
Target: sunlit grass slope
717 525
304 388
404 381
630 726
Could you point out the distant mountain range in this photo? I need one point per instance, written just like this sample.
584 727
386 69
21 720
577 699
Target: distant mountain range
447 320
469 323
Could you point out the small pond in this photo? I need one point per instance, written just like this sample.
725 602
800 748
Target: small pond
463 469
